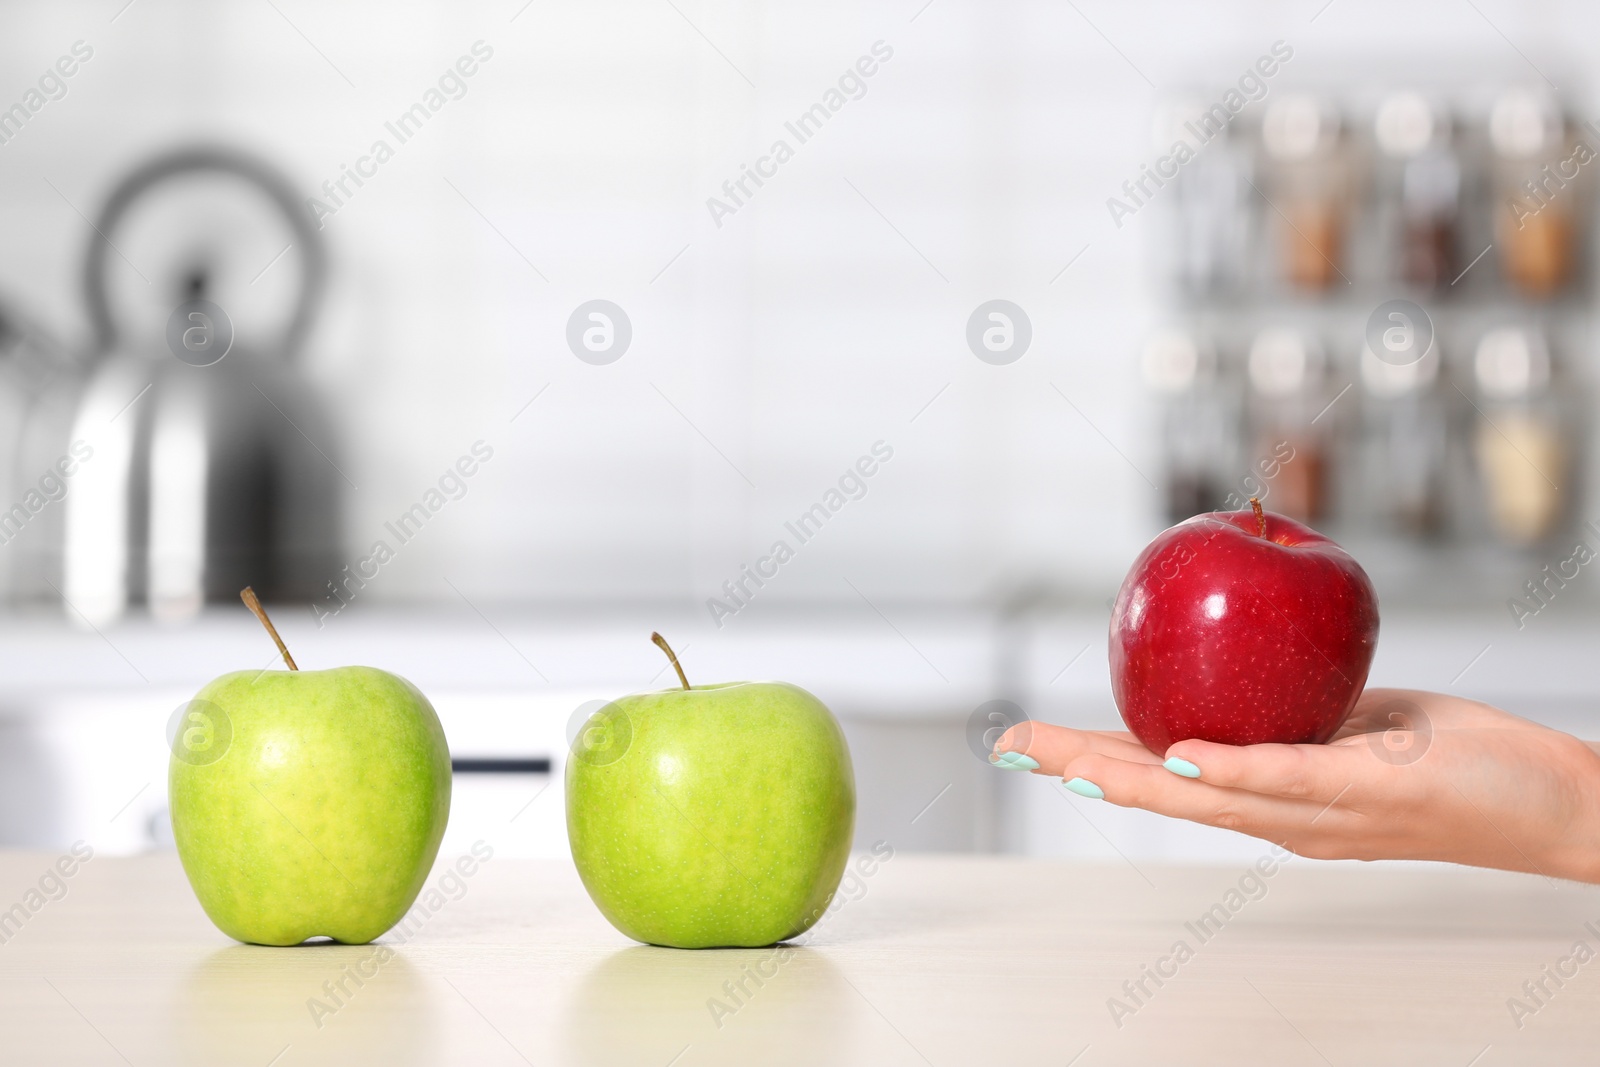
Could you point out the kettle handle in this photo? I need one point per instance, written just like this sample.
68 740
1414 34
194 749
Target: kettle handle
205 158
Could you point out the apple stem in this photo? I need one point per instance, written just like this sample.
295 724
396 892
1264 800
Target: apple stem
661 642
1261 517
253 602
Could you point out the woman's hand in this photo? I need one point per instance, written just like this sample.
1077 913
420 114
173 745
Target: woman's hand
1411 775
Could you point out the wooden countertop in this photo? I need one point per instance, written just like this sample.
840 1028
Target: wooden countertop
935 960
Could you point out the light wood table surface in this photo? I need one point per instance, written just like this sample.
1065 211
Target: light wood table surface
937 960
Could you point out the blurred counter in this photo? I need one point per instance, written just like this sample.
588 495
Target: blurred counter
904 662
83 713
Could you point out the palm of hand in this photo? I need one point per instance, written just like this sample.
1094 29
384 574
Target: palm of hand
1410 775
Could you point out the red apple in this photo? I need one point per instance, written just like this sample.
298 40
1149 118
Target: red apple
1241 627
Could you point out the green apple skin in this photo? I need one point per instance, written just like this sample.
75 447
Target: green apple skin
726 821
323 816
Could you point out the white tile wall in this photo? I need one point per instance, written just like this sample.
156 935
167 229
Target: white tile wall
793 337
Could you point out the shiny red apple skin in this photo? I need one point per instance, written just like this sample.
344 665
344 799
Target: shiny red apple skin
1225 634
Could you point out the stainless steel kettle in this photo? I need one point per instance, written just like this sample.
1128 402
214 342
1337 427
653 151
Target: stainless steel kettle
204 461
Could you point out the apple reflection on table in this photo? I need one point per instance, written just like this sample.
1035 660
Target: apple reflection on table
328 1003
730 1006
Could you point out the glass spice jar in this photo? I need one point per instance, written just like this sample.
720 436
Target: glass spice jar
1535 199
1424 186
1520 442
1213 219
1403 443
1197 420
1288 417
1311 188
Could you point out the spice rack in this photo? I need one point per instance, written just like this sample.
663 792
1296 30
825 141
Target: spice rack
1377 320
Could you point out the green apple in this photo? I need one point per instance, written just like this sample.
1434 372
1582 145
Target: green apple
713 815
308 803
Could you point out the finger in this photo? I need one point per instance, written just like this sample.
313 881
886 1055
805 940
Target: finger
1053 747
1297 772
1154 788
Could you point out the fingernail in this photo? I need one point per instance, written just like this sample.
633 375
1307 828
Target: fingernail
1085 788
1014 761
1182 766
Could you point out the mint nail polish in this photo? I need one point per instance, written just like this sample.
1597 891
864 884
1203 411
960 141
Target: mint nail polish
1014 761
1085 788
1182 766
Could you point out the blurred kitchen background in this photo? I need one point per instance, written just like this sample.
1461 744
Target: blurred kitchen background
579 343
